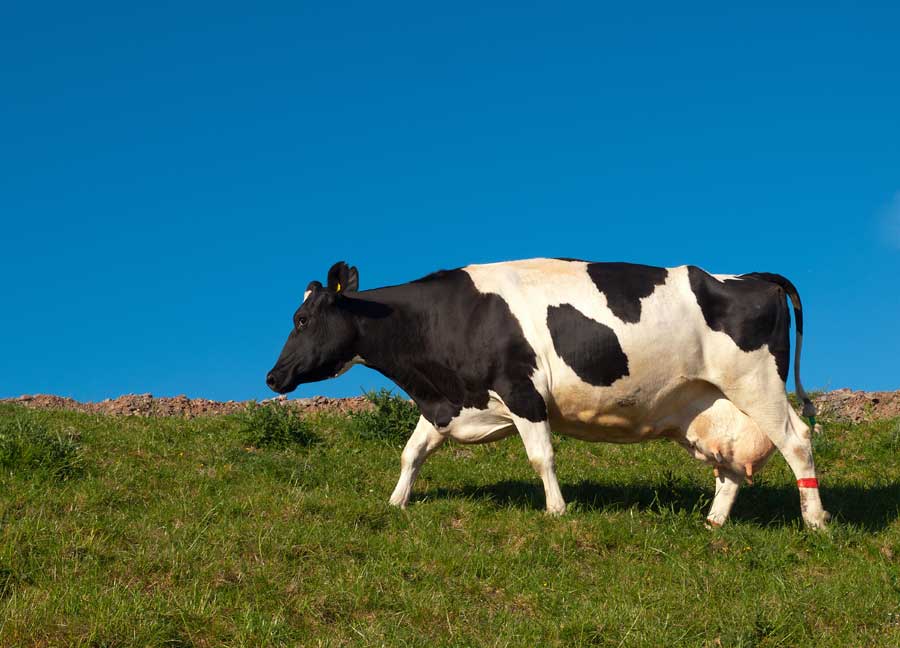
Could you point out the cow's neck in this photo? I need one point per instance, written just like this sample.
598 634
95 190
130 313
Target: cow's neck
394 340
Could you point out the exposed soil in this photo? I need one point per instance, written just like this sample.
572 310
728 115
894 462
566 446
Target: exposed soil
149 405
843 404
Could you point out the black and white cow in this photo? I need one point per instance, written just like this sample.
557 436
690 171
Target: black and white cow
611 352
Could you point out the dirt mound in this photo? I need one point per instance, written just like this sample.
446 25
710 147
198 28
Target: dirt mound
843 404
149 405
846 404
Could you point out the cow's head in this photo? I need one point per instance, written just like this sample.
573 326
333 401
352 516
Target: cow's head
321 343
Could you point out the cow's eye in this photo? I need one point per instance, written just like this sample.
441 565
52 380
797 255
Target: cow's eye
302 322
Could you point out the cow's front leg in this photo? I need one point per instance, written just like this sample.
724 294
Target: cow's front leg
536 437
425 439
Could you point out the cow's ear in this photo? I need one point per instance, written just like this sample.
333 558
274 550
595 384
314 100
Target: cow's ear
343 278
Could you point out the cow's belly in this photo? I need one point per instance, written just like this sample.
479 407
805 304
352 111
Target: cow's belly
595 426
622 413
695 414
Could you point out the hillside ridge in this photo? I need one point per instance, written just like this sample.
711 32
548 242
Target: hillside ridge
843 404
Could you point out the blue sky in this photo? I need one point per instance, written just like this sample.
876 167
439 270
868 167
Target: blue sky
173 175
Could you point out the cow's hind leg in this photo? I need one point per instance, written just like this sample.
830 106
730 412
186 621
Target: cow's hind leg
800 459
425 439
774 416
728 482
538 445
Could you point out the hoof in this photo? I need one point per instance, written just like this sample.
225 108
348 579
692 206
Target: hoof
818 522
399 503
712 523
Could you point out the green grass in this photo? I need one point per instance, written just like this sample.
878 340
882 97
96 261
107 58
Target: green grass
28 445
170 532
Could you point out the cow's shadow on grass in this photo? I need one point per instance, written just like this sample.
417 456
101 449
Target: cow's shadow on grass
871 508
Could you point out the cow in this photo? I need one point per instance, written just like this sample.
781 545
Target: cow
600 351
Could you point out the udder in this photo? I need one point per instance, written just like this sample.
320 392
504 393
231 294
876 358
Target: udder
722 435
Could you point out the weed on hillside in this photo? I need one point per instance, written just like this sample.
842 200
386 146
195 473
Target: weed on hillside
392 418
271 425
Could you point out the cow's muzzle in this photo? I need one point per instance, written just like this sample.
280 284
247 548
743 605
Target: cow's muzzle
277 382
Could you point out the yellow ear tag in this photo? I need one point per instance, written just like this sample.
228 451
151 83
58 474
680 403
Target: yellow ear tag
338 289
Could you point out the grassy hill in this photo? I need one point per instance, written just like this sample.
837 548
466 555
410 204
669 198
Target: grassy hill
127 531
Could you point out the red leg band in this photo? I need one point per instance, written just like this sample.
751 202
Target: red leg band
808 482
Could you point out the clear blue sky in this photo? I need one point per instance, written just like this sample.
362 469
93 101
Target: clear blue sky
173 175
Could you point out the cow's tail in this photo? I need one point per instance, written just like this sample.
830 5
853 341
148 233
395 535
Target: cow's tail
809 410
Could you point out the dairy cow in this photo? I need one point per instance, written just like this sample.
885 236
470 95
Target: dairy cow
612 352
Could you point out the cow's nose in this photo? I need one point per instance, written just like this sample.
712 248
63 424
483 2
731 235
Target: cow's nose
271 381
